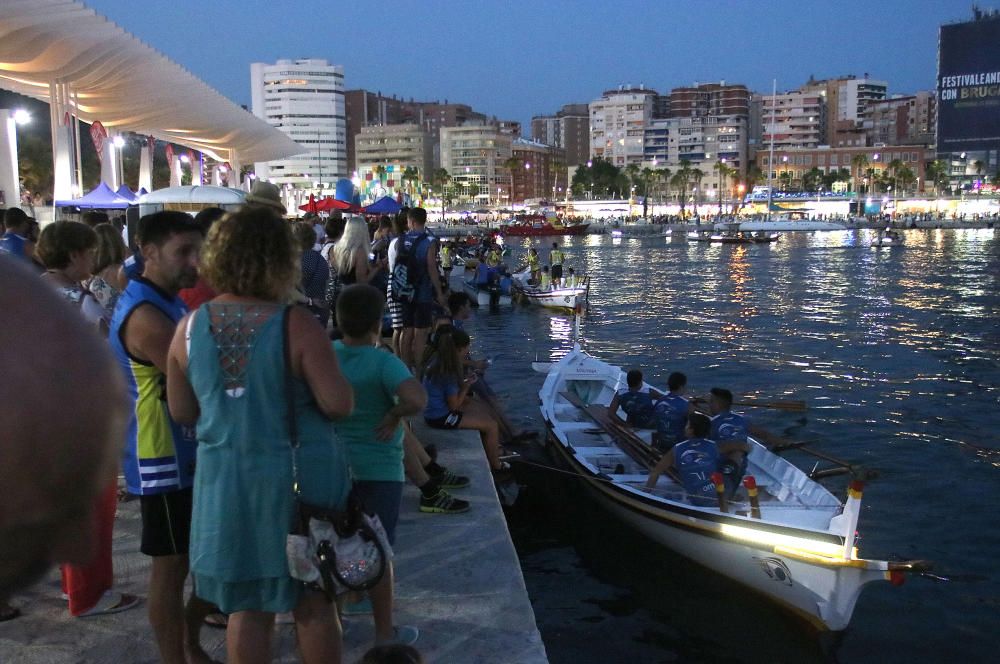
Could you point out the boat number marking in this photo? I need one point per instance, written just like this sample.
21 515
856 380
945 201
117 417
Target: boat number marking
776 569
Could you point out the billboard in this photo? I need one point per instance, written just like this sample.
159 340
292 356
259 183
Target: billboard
969 86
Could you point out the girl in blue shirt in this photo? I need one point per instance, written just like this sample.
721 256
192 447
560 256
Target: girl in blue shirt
449 405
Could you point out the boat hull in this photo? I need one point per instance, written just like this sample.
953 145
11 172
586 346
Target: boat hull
794 555
483 297
824 597
563 298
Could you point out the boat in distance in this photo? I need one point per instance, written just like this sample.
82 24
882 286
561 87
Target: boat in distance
733 237
538 225
556 298
798 549
775 225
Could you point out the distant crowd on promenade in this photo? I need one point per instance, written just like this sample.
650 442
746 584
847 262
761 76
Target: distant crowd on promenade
181 364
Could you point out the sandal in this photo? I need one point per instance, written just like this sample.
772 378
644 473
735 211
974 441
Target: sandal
111 602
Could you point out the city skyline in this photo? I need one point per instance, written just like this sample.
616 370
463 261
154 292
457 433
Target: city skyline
537 58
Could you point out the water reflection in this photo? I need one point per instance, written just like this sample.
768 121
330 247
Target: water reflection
897 353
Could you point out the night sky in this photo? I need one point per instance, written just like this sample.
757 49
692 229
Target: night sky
514 59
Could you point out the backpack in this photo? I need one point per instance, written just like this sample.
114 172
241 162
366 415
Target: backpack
405 270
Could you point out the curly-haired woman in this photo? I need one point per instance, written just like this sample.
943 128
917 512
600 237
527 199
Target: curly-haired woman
226 366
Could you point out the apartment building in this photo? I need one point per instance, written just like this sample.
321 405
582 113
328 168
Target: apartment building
539 171
568 129
394 148
618 122
475 156
903 120
305 99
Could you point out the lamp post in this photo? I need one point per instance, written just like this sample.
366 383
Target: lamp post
10 181
590 176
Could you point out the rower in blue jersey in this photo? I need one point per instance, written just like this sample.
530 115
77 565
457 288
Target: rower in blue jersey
693 460
730 431
636 401
672 411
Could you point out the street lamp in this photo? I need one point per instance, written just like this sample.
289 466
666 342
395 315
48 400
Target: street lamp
22 116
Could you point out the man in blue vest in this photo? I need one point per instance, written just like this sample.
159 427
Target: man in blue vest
692 462
730 431
671 413
636 401
159 453
421 250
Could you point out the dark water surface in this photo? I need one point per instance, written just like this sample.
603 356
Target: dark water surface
897 352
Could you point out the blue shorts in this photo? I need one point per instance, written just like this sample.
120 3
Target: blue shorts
381 499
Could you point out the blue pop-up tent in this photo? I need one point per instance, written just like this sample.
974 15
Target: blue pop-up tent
99 198
384 205
127 193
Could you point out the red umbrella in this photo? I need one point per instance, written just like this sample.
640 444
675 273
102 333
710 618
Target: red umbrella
330 204
311 205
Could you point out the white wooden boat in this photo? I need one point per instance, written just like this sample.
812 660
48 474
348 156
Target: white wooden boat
558 298
733 237
485 297
800 551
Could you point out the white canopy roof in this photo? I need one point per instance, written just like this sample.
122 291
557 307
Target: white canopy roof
124 83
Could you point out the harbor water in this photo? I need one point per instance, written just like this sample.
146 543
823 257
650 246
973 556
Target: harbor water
897 353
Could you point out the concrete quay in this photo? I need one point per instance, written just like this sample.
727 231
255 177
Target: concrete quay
458 580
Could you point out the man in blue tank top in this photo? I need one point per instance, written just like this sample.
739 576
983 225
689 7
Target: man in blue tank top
636 402
160 454
671 413
693 461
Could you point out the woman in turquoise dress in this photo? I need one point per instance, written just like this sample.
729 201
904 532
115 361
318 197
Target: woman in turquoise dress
226 376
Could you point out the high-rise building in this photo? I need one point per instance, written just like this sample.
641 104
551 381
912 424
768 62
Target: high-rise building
794 119
847 100
903 120
394 148
568 129
475 156
617 125
539 171
304 99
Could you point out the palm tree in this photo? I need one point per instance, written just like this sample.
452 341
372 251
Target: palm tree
632 174
697 175
905 177
936 173
410 175
439 180
859 163
663 180
722 170
647 175
680 180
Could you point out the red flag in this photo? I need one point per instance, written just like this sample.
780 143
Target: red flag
97 134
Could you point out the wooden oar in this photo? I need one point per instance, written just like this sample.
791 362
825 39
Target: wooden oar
856 470
780 405
793 405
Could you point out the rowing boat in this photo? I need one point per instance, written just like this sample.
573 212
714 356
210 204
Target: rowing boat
729 237
557 298
486 296
799 551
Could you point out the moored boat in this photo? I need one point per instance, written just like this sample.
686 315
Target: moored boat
557 298
733 237
487 296
798 550
539 226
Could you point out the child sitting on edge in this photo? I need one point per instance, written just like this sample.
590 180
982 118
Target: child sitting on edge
384 393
